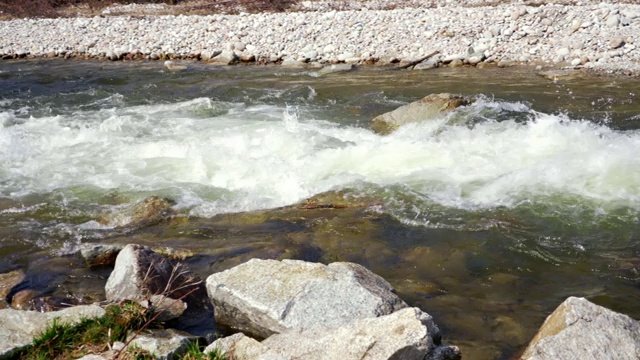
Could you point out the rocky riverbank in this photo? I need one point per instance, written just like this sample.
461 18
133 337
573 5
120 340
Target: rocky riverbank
293 309
602 36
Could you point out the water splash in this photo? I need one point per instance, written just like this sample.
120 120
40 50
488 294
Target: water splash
215 157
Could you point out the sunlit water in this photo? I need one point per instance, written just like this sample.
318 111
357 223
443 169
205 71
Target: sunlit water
536 180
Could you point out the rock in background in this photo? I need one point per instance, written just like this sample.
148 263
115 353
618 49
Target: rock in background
423 109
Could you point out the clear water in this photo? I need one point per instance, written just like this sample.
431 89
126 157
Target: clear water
486 217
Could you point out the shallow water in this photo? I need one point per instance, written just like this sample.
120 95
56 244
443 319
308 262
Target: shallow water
487 217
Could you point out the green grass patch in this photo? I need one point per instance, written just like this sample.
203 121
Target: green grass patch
194 352
62 341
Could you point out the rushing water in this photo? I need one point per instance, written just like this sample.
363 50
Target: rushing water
487 217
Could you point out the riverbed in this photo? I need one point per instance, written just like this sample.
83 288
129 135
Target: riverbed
487 217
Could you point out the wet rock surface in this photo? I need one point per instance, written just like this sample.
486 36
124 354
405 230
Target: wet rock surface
8 283
150 211
422 110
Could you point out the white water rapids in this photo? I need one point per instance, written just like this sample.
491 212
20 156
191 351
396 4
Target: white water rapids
214 157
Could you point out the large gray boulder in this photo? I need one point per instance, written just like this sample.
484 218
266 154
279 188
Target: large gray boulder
140 273
424 109
18 328
407 334
265 297
579 329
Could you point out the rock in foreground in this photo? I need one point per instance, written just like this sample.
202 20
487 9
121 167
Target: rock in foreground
265 297
406 334
579 329
140 273
18 328
424 109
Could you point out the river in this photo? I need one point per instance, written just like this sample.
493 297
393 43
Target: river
487 217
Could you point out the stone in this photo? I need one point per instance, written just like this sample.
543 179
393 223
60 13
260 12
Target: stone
18 328
406 334
576 62
152 210
93 357
265 297
139 273
424 109
22 299
616 43
563 51
336 68
291 62
8 283
329 49
247 57
164 344
226 57
96 255
475 59
174 66
241 347
346 55
209 54
424 66
579 329
612 21
560 75
504 63
312 55
456 63
166 308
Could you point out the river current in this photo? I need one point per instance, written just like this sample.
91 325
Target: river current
486 217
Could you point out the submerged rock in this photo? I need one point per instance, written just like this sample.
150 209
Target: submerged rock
8 282
264 297
150 211
18 328
140 273
561 75
336 68
174 66
420 110
579 329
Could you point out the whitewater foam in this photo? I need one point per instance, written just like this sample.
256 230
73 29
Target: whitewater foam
217 157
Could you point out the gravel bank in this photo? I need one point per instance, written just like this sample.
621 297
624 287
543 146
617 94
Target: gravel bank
604 36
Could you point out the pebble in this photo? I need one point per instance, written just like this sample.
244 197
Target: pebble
550 32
